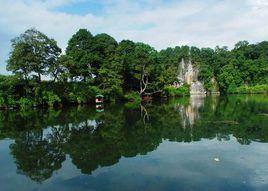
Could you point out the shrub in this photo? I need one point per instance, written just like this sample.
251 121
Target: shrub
51 98
2 101
232 89
81 93
11 102
82 99
25 103
257 89
177 92
133 97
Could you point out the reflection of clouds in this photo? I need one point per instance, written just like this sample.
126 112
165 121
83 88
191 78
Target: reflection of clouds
183 165
84 124
256 161
243 167
67 171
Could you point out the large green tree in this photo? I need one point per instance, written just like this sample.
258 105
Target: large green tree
104 48
33 54
79 50
124 61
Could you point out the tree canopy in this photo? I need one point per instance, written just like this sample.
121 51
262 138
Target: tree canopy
33 54
99 64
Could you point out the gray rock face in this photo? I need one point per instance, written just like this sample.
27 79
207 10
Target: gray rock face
188 74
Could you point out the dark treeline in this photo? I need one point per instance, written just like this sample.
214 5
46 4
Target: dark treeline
99 64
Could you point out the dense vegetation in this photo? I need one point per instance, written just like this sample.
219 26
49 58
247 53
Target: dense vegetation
99 64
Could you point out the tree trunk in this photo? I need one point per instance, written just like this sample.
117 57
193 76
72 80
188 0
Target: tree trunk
143 81
39 77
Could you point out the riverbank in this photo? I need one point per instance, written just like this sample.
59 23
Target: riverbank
21 94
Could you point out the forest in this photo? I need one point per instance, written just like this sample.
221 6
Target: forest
45 75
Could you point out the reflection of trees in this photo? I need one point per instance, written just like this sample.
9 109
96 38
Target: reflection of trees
36 155
112 140
100 139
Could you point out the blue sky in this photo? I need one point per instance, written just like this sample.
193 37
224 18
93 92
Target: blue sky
160 23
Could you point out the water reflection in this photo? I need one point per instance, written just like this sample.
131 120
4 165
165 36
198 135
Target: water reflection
189 113
42 139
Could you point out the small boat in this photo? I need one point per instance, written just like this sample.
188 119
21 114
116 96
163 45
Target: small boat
99 108
99 98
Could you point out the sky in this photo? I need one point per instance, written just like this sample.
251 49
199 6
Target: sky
160 23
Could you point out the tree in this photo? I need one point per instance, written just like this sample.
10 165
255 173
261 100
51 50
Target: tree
124 59
65 68
230 75
33 53
110 83
144 64
241 44
169 60
79 49
104 48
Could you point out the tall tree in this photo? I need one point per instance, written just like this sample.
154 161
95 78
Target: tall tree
144 63
79 49
33 53
104 48
124 59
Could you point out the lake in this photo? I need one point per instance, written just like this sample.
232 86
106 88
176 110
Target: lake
197 143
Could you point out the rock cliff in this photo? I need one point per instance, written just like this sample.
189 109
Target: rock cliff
188 74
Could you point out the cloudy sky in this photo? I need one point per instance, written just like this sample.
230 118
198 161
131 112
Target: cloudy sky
161 23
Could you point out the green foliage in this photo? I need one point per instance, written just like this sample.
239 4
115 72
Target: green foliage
133 100
98 64
2 101
229 76
177 92
51 98
258 89
11 102
205 75
80 57
232 88
25 103
81 93
33 53
133 97
110 82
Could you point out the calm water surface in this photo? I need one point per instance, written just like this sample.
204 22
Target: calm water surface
213 143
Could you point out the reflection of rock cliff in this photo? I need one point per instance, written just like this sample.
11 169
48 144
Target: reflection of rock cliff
189 113
188 74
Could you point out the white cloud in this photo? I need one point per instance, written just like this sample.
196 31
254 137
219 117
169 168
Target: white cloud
157 22
258 4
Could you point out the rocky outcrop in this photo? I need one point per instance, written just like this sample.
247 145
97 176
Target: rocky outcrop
188 74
